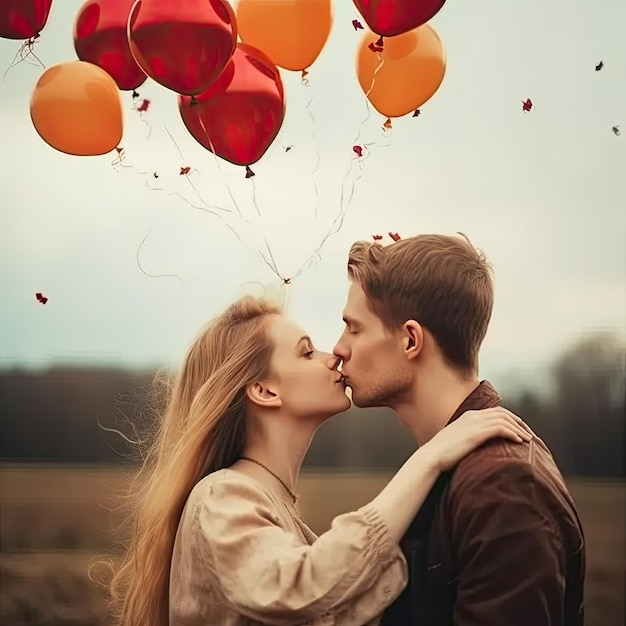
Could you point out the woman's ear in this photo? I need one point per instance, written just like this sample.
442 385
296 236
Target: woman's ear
263 395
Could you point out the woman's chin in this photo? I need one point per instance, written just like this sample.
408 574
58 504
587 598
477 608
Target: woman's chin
338 408
346 403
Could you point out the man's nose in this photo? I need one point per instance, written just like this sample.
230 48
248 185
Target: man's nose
340 352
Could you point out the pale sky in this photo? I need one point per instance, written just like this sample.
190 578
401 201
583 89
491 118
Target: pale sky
542 193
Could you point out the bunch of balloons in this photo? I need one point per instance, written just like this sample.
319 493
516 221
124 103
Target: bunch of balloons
222 64
230 93
401 62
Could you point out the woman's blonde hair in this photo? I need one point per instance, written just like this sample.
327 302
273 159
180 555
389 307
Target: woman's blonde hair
202 430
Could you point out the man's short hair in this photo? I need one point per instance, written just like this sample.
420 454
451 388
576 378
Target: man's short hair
440 281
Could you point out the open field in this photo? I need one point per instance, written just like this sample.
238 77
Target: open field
55 520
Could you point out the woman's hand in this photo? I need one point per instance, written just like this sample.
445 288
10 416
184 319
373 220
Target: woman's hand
473 429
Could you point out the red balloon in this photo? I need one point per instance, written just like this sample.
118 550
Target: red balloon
242 112
183 45
23 19
389 18
100 38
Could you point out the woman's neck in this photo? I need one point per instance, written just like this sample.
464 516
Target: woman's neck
282 451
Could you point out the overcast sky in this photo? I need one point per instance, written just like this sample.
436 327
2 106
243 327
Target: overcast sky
541 192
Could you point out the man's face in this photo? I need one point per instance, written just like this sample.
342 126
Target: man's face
373 360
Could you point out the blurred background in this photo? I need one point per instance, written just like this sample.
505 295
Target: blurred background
62 473
129 263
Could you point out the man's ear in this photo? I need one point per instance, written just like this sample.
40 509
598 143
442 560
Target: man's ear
263 395
413 339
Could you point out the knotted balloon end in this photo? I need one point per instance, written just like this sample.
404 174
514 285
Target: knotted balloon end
377 46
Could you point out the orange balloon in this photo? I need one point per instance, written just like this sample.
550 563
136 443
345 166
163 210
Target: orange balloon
76 109
410 67
292 33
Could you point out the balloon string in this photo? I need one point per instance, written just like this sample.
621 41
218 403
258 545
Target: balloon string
200 197
381 62
255 204
343 208
26 50
344 204
145 121
318 158
221 173
271 264
345 199
356 142
119 164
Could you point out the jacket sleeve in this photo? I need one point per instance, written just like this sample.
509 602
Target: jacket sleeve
347 577
510 554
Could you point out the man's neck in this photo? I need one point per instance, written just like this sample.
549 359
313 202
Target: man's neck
433 402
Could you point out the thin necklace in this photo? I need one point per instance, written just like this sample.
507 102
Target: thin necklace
293 496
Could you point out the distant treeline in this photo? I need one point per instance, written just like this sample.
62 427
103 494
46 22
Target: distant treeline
63 415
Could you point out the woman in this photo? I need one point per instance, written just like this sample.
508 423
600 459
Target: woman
217 539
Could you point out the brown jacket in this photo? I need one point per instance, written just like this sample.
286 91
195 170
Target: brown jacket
497 543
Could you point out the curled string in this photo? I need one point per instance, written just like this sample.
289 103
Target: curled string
317 155
270 263
210 211
214 210
24 53
178 278
345 198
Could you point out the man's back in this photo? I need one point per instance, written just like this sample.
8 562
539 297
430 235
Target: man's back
498 542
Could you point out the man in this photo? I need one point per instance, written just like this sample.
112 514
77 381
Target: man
499 542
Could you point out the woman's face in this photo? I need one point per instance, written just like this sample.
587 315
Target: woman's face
305 379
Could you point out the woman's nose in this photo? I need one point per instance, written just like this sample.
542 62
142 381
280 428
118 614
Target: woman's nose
332 361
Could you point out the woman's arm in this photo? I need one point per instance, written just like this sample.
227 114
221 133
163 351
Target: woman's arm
267 575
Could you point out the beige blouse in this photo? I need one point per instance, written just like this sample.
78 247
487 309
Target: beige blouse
243 557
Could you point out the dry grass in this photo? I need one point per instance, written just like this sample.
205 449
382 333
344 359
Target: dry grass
55 520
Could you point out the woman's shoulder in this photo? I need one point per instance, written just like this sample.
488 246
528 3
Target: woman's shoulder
224 500
228 484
